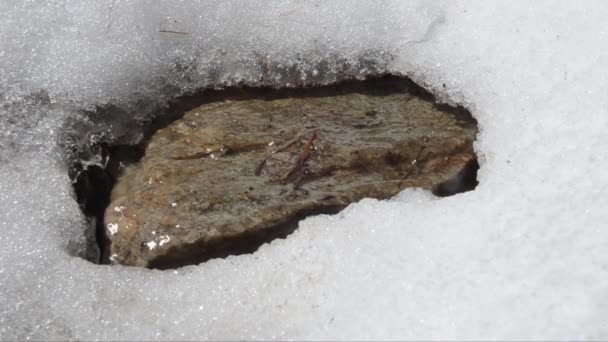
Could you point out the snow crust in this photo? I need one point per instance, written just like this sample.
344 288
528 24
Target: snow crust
521 257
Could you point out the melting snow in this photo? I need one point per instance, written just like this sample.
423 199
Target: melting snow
521 257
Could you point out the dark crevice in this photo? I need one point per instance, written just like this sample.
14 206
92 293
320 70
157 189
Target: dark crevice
93 187
463 181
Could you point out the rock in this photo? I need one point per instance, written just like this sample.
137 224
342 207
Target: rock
231 173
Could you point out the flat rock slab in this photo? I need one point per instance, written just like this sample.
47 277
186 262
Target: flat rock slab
230 172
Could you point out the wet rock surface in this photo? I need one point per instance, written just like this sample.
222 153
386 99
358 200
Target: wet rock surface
231 174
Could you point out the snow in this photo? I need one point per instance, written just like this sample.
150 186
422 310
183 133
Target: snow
521 257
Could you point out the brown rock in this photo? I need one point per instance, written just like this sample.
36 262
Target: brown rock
230 172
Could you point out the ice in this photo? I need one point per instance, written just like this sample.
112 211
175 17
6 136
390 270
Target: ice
521 257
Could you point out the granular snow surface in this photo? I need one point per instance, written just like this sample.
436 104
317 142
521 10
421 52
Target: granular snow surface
523 256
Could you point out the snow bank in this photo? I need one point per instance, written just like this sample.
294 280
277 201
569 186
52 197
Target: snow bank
521 257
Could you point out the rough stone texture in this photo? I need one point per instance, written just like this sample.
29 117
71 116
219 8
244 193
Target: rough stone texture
231 172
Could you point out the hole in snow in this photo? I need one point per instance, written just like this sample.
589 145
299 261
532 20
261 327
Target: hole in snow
222 172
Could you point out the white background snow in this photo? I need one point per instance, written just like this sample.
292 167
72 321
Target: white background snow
524 256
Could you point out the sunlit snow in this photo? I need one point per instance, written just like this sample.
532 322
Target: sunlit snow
521 257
